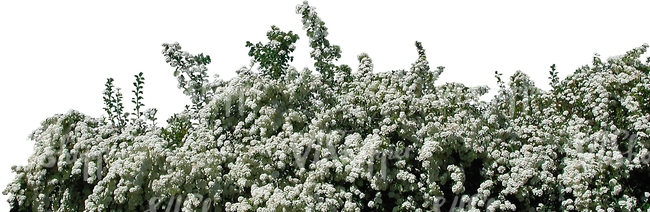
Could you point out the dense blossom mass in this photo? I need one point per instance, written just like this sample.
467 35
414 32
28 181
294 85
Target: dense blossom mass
336 140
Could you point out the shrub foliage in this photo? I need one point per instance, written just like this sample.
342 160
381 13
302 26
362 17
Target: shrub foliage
282 140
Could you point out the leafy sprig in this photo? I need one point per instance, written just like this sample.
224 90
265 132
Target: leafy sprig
322 50
274 56
137 100
115 108
192 67
113 105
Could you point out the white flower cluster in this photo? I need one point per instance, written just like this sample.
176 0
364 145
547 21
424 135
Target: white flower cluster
378 141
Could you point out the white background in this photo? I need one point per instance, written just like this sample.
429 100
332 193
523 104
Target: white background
56 55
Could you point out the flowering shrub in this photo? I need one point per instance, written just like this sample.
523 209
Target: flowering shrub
282 139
